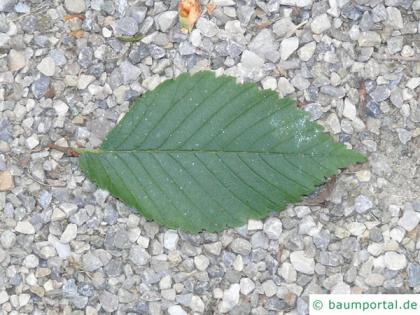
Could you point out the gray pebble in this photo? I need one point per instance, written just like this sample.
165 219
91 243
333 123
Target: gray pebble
138 13
395 44
127 26
109 301
7 239
7 5
139 256
207 28
110 215
91 262
75 6
241 246
45 199
69 288
373 109
58 56
414 275
366 22
245 14
80 302
138 54
351 11
156 52
333 91
85 58
5 130
332 259
404 135
40 86
263 44
380 94
166 20
86 289
362 204
379 13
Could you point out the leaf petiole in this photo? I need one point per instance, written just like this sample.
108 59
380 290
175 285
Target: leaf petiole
72 152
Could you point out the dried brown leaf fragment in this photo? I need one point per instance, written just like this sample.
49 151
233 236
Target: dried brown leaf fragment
189 12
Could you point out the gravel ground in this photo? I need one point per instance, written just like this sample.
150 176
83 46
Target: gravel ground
68 248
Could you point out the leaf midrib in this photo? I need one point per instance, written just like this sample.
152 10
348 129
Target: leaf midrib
173 151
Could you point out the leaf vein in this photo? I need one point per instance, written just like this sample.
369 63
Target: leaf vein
214 114
287 177
245 183
181 190
225 186
167 111
202 189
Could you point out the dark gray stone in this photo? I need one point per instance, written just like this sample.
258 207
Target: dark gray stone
40 86
85 58
373 109
414 275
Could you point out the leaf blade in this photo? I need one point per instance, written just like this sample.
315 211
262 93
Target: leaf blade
205 159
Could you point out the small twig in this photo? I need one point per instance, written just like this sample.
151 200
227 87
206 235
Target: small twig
43 7
37 180
267 23
68 151
372 214
27 172
295 29
362 98
321 198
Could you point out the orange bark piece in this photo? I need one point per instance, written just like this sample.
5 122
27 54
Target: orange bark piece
77 34
75 16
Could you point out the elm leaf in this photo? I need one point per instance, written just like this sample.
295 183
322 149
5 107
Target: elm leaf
205 153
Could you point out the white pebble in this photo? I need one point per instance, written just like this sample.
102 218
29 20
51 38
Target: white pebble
60 107
176 310
288 46
69 233
307 51
230 298
320 24
84 81
47 66
395 261
32 142
25 227
302 263
409 220
170 240
201 262
247 286
413 83
362 204
349 110
16 60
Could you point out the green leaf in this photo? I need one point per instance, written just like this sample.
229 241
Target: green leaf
205 153
131 39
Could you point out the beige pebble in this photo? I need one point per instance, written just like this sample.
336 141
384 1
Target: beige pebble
6 181
363 175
